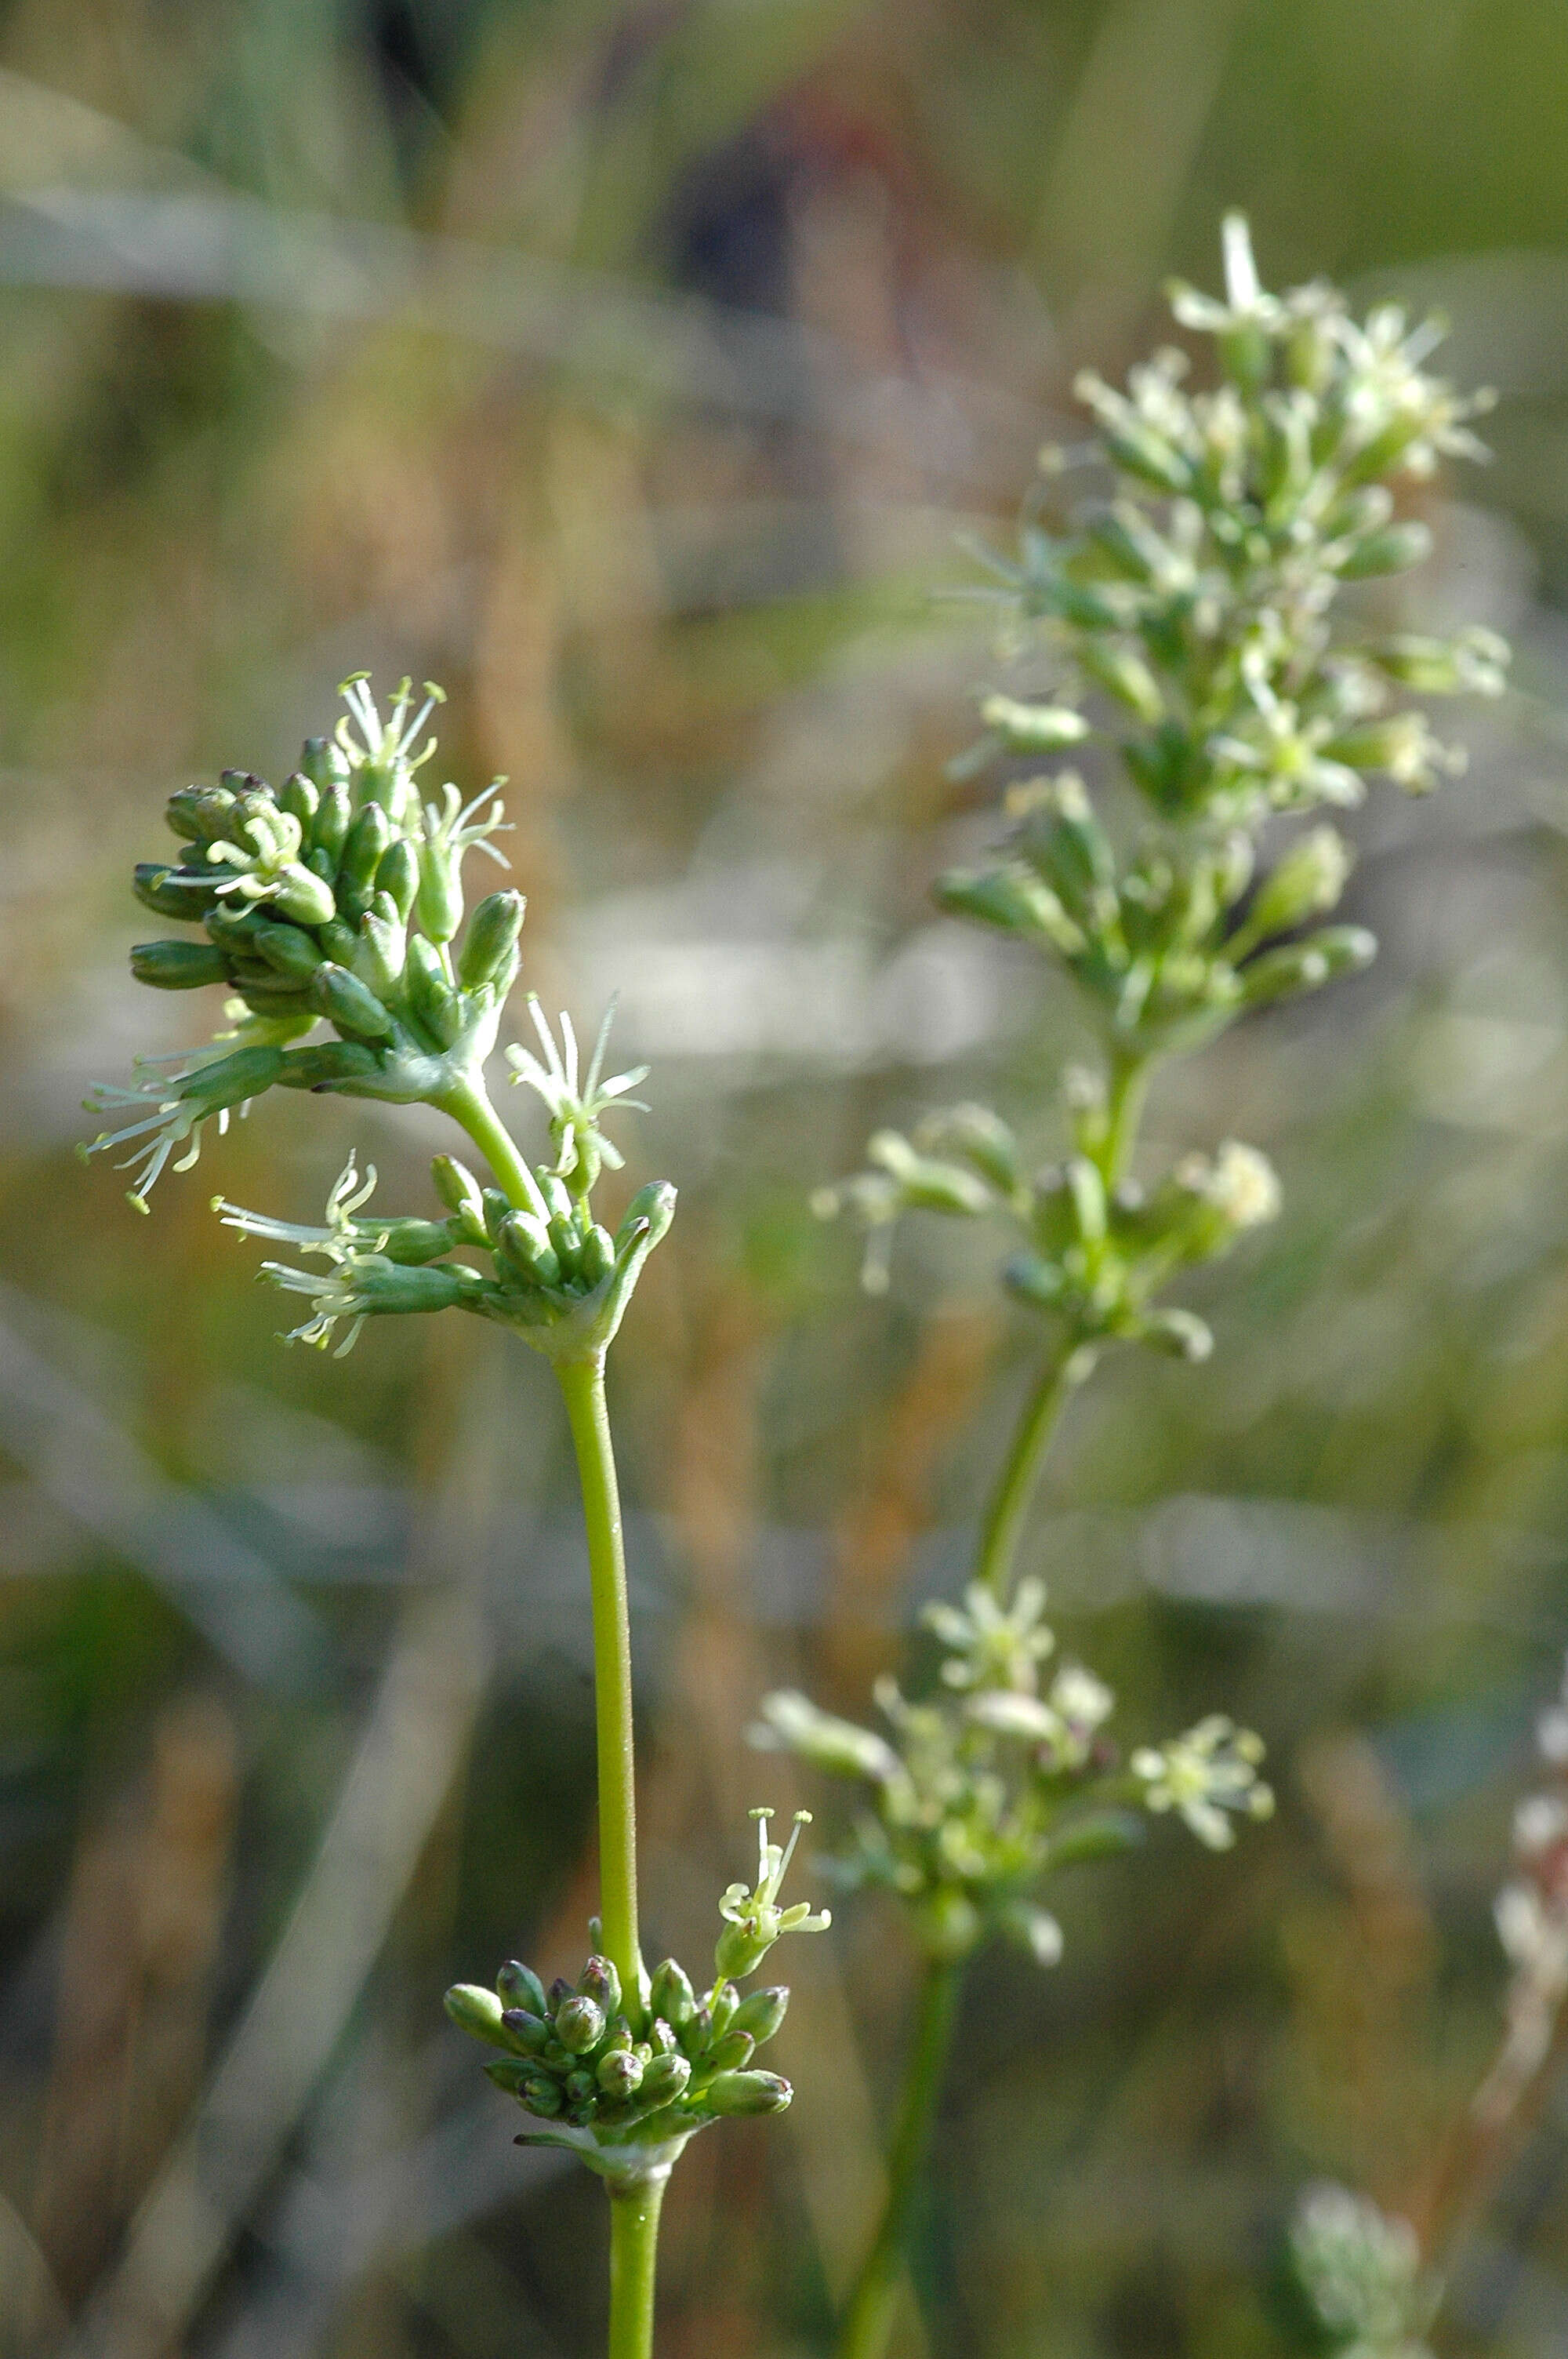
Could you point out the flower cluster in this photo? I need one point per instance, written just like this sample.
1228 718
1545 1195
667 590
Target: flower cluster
1360 2274
338 900
625 2077
1093 1254
335 900
998 1778
555 1276
1192 608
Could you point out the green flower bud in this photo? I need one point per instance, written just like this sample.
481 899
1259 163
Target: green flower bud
413 1242
478 2012
542 2097
1012 898
723 2004
382 949
236 930
524 1247
434 1006
597 1258
323 763
1394 550
747 2092
345 1001
398 875
1064 841
287 949
579 2025
519 1986
694 2034
580 2086
839 1747
1124 676
230 1081
491 934
1307 965
178 966
1306 882
671 1995
459 1192
301 799
599 1982
200 814
619 2075
339 941
761 2014
732 2052
664 2080
439 905
330 830
530 2032
364 849
512 2073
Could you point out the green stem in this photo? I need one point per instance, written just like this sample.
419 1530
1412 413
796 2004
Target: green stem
868 2321
633 2248
469 1107
1009 1509
582 1383
1129 1077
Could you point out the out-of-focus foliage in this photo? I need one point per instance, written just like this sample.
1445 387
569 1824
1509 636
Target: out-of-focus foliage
631 371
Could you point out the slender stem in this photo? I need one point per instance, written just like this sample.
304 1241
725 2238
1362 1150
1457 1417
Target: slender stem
582 1383
633 2248
470 1105
868 2321
1009 1504
1129 1077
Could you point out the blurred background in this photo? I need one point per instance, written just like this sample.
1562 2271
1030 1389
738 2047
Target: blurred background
635 371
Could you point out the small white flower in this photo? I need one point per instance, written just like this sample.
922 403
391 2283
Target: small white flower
1204 1774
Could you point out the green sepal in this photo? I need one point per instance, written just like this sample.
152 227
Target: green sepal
747 2092
398 875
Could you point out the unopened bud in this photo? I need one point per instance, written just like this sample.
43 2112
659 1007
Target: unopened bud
732 2052
478 2012
348 1002
599 1982
1307 965
1394 550
664 2080
618 2074
671 1995
1306 882
530 2031
398 874
747 2092
490 936
761 2014
178 966
579 2025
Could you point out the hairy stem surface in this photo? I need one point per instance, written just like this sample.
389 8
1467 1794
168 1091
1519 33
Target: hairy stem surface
633 2248
582 1383
868 2321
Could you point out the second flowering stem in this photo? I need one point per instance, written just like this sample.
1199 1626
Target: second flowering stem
582 1386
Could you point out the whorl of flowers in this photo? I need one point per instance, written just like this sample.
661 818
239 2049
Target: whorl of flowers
624 2077
999 1777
